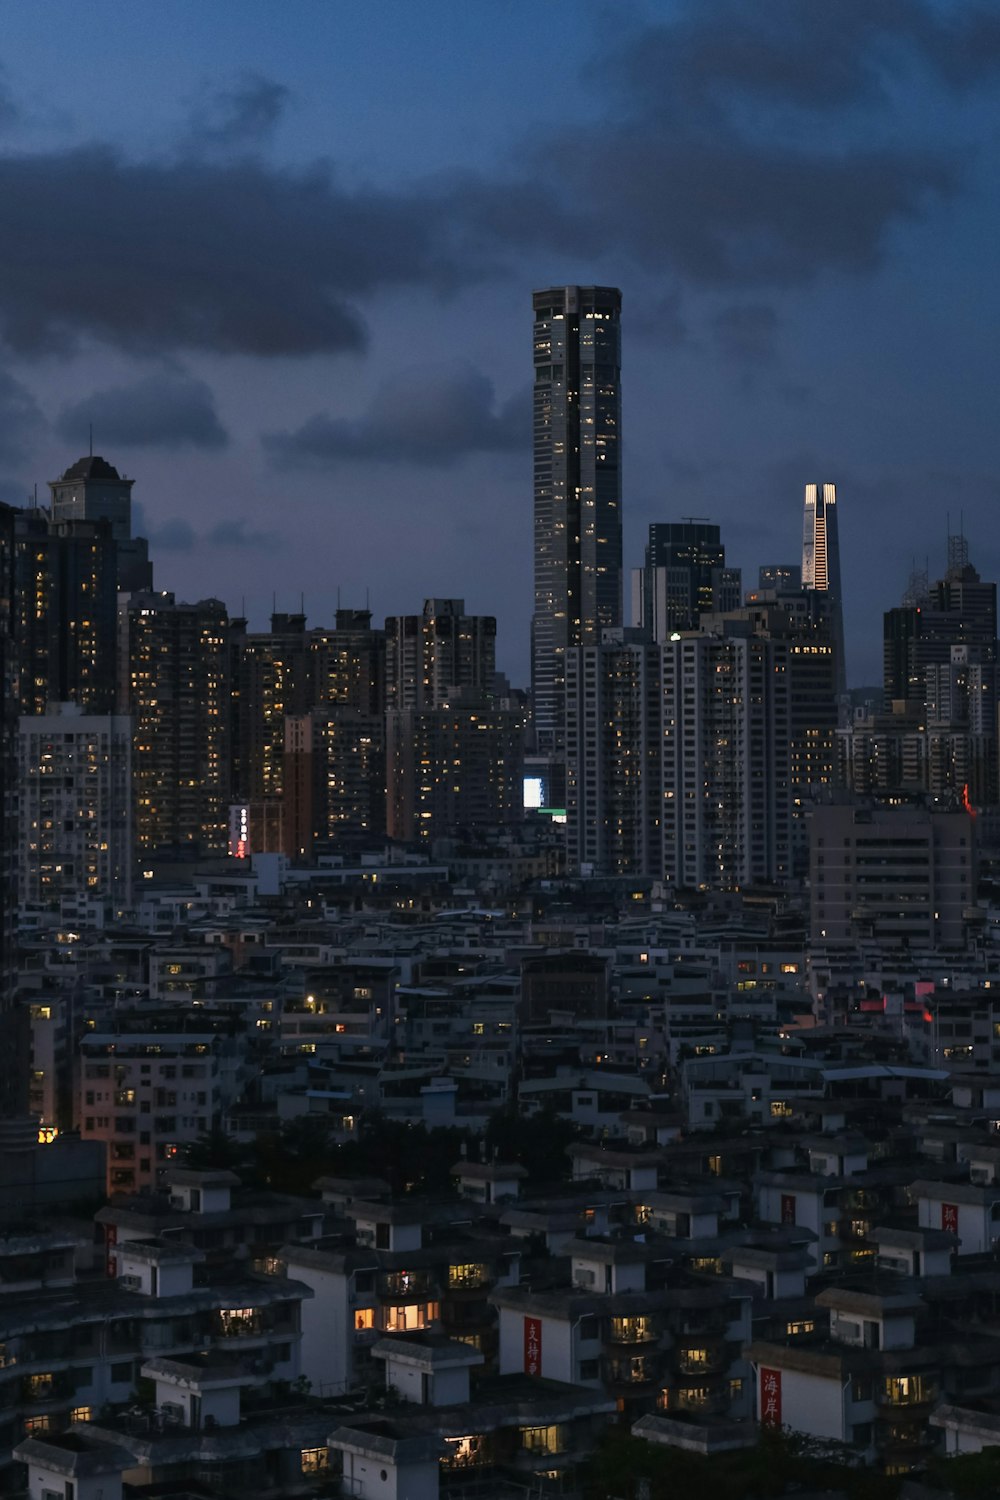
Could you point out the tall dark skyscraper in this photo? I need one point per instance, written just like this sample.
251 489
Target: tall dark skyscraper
684 577
821 561
93 490
578 487
14 1035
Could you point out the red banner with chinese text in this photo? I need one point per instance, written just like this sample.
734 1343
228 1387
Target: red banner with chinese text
788 1208
949 1217
770 1397
532 1346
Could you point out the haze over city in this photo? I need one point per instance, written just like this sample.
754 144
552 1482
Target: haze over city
280 260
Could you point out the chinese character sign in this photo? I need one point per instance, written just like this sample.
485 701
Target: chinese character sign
770 1397
949 1217
788 1208
532 1346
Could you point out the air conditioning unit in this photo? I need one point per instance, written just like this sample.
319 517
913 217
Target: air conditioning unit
131 1283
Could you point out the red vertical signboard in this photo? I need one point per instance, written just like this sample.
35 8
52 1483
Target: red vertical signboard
770 1397
532 1346
949 1217
110 1241
788 1208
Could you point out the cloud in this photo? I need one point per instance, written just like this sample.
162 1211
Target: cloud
21 420
425 416
168 410
747 333
174 535
177 535
235 534
242 115
714 54
236 257
749 146
727 146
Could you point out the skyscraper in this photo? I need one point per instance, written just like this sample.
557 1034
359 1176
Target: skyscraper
179 691
75 808
577 479
614 734
93 490
684 577
431 656
821 561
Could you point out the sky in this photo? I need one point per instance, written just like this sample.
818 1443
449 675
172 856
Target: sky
280 258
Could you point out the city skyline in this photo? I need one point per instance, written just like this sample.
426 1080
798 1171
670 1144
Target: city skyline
403 251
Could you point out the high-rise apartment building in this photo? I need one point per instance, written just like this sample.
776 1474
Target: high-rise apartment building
453 769
684 577
14 1028
960 609
287 672
727 803
334 780
432 656
93 490
577 487
66 608
613 763
903 876
74 812
821 562
178 695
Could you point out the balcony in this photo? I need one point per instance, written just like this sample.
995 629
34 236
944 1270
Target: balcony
628 1332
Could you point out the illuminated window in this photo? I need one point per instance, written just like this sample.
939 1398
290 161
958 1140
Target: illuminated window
82 1414
804 1326
315 1460
471 1275
409 1319
236 1322
635 1330
543 1439
465 1452
364 1317
780 1109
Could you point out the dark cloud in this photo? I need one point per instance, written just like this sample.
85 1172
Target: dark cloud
750 146
21 420
429 417
236 534
236 257
747 333
172 535
663 321
177 535
715 54
167 410
729 146
241 116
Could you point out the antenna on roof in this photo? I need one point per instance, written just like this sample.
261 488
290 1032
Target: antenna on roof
91 439
338 595
302 604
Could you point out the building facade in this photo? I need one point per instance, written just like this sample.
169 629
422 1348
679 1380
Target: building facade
75 808
178 695
821 561
577 487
